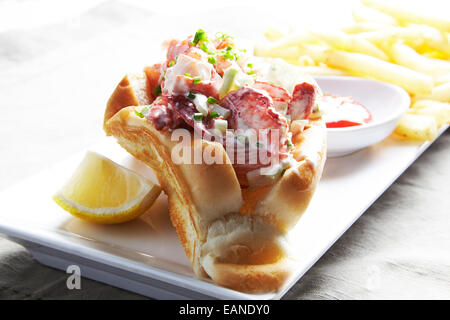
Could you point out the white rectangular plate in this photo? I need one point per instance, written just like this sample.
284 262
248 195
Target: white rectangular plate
144 255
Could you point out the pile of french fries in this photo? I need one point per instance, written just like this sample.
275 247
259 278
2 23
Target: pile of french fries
386 42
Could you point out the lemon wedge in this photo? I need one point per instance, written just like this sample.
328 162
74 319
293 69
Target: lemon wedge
102 191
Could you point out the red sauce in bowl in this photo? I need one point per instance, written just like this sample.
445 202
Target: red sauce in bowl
341 111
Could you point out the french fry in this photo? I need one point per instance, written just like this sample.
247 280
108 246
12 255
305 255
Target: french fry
389 43
439 110
359 27
408 57
442 79
406 15
293 39
306 61
365 14
416 36
439 93
273 34
433 38
342 41
285 47
417 127
289 53
433 54
363 65
386 37
322 70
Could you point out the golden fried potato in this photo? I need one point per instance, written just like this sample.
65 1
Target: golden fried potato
406 15
367 66
366 14
351 43
439 93
408 57
439 110
417 127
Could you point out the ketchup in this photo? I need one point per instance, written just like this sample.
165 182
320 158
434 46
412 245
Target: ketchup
341 111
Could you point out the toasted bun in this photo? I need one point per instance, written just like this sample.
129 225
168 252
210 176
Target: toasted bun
240 249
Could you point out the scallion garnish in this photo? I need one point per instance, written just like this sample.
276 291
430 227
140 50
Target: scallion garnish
200 35
212 60
197 80
221 35
157 90
188 75
198 116
214 115
212 100
171 63
191 95
289 144
140 115
144 111
228 55
205 48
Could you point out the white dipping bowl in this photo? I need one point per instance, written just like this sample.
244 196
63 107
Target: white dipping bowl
385 101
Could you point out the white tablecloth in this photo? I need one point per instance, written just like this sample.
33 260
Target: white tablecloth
57 68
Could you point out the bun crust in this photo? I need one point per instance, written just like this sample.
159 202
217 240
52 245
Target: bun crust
233 237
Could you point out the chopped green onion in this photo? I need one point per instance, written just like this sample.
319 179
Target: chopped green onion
212 60
250 65
157 90
197 80
251 72
188 75
191 95
198 116
143 112
229 48
140 115
171 63
229 55
205 48
214 115
289 144
200 35
212 100
224 113
221 35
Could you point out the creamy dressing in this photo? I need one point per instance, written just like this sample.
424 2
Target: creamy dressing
193 65
342 111
283 74
186 65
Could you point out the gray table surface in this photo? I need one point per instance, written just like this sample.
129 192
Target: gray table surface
54 81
